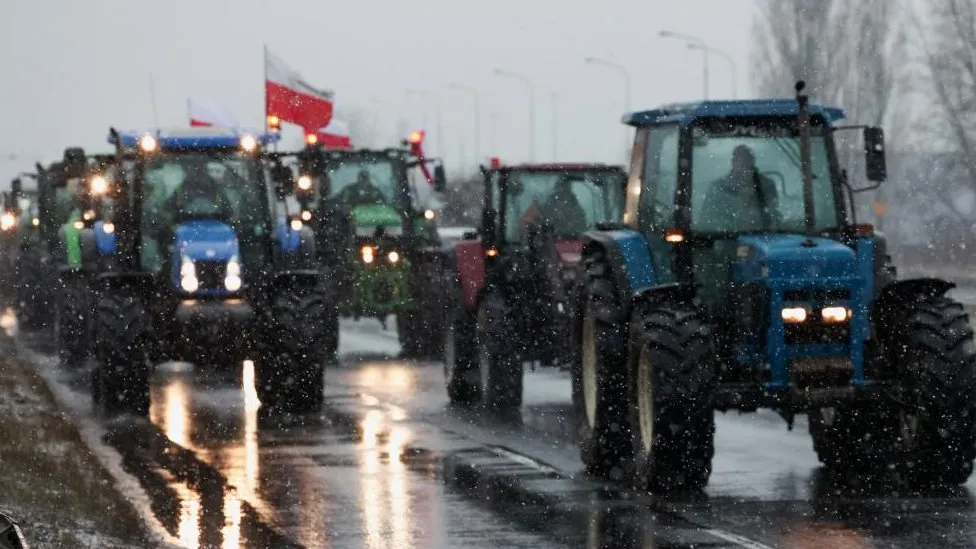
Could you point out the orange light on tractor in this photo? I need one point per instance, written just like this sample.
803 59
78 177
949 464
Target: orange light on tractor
496 162
674 236
415 137
274 123
311 139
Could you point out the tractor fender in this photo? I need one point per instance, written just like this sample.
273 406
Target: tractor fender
469 262
672 293
628 257
894 298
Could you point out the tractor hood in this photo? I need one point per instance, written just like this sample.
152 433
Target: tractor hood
205 240
793 257
368 218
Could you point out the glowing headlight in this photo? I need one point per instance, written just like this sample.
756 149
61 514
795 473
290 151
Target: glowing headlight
78 225
147 143
835 315
88 215
248 143
296 224
108 228
794 315
429 214
36 222
233 267
98 185
367 254
232 281
304 183
7 221
393 257
188 276
306 215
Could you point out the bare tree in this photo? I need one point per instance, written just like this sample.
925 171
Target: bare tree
948 44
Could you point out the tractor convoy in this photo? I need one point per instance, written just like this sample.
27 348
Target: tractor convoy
722 270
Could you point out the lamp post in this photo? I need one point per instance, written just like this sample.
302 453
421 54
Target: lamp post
528 84
733 69
476 96
693 40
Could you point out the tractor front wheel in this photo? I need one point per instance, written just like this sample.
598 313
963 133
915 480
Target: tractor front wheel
458 353
121 328
71 320
936 357
499 364
672 414
290 375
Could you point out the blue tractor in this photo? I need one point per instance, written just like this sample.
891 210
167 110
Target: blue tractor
203 271
752 286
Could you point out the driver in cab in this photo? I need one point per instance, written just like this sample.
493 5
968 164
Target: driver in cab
561 212
199 194
362 192
743 200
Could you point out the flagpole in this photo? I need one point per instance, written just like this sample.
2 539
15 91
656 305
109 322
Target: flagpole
189 110
265 86
152 99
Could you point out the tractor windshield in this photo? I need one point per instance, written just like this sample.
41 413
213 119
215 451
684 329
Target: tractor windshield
747 177
181 186
364 181
568 203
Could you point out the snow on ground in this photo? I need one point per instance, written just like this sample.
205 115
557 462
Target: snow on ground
51 482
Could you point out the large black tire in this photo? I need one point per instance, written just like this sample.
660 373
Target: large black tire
499 364
599 366
858 439
122 332
936 360
672 410
290 376
458 351
73 313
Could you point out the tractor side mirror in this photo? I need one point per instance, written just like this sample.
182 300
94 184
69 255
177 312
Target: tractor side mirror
75 162
874 154
16 189
440 179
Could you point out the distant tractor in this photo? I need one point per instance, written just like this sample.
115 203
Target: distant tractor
738 280
202 272
376 242
509 285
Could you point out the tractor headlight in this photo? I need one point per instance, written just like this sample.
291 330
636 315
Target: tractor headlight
98 185
188 276
108 227
249 143
393 257
7 221
835 315
367 254
794 315
232 280
296 224
306 215
429 214
304 183
147 143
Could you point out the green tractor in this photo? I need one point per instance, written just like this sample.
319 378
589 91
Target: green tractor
377 244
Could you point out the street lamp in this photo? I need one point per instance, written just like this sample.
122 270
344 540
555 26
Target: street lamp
528 84
693 40
623 72
554 125
437 112
733 69
477 115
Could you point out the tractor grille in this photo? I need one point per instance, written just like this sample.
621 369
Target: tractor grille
211 274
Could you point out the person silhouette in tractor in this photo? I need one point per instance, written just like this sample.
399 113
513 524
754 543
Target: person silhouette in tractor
200 195
362 192
743 200
562 212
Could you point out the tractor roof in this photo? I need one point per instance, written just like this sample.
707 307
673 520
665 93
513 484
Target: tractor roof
556 167
194 137
685 113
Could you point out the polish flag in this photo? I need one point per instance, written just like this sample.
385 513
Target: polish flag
335 135
291 99
202 113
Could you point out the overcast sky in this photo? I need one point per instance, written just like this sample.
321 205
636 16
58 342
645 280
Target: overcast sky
72 68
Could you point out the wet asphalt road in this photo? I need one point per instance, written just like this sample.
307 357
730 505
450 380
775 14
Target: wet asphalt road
367 473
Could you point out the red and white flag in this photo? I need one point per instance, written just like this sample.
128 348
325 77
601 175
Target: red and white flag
335 135
291 99
202 113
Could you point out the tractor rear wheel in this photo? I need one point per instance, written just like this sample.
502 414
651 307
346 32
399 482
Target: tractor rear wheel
290 376
458 352
672 414
599 366
72 314
499 364
936 357
122 332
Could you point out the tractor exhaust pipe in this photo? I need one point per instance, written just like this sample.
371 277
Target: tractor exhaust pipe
803 119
